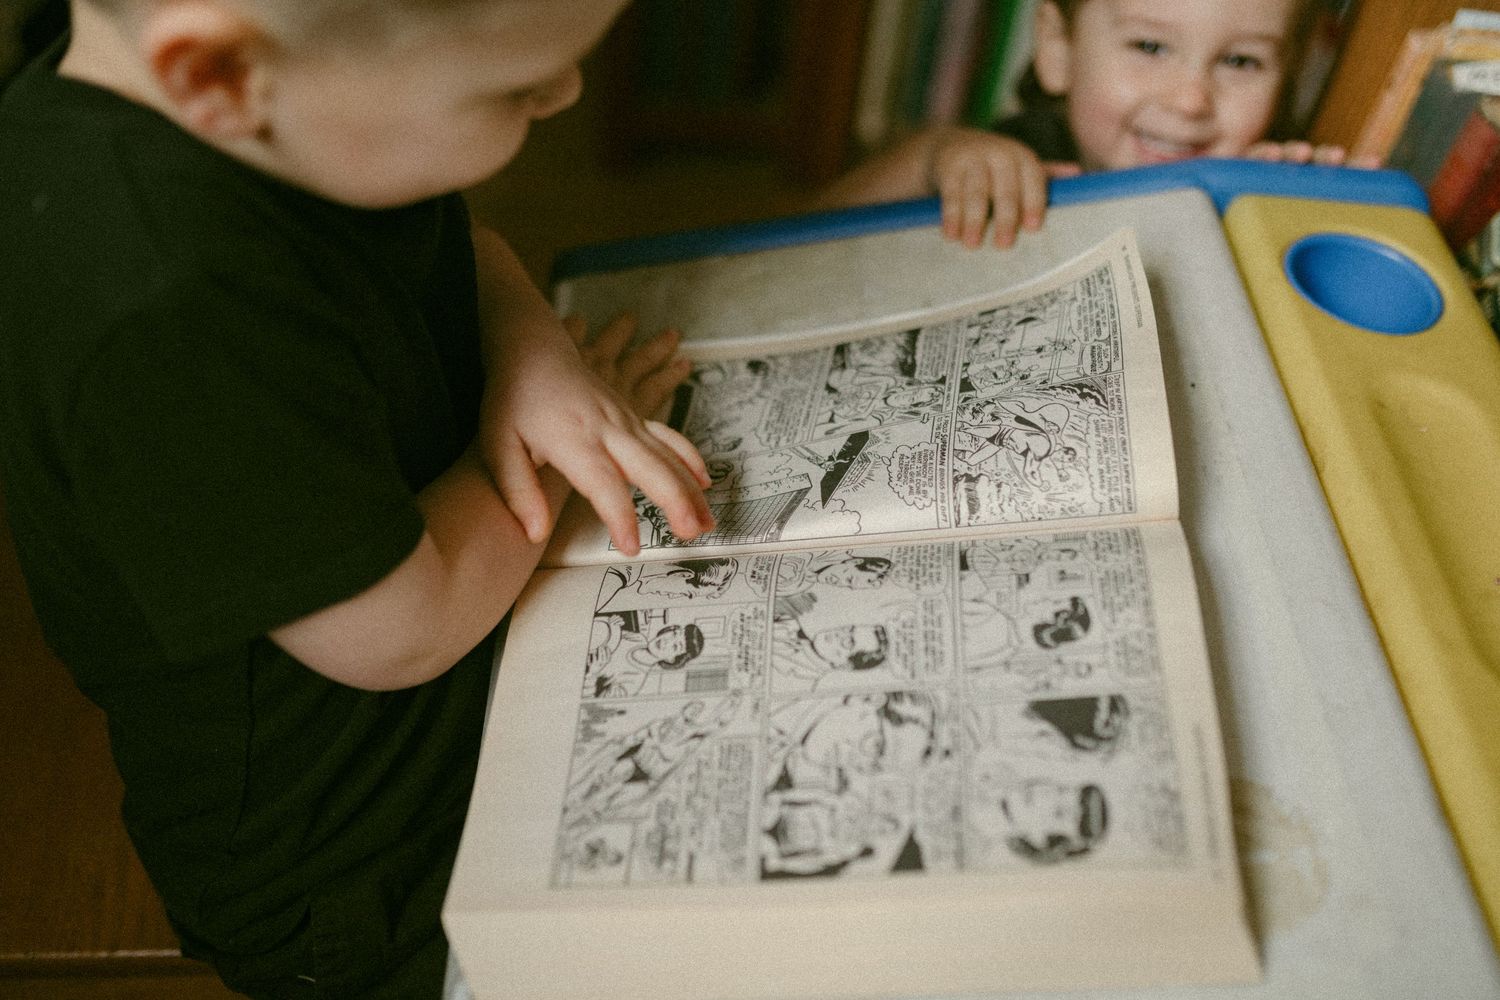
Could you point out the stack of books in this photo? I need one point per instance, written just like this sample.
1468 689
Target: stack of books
1481 259
1438 119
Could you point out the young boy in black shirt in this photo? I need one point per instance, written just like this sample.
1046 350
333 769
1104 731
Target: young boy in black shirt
282 437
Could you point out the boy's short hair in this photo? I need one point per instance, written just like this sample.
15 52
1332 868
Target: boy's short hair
347 20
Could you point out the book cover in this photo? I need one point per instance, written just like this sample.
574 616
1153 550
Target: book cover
1465 191
963 28
981 109
1437 115
1441 104
1018 50
879 70
1397 94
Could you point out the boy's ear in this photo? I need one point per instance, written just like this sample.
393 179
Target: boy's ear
1052 57
209 62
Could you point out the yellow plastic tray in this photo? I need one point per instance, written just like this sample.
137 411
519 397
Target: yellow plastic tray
1404 432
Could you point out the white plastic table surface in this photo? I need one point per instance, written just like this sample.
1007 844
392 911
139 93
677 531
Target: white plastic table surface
1356 889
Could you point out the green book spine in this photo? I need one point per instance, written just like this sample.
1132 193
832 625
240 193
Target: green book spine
987 89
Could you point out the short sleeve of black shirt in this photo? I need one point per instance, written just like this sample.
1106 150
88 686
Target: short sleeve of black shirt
1044 130
234 439
236 394
219 398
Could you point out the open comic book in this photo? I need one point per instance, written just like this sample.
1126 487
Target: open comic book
928 712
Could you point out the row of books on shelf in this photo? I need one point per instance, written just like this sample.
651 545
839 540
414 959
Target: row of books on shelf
1437 118
930 61
960 61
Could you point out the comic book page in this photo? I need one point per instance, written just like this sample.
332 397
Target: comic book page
1029 716
1008 705
1040 404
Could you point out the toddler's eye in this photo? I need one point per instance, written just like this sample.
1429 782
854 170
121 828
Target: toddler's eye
1147 46
1238 60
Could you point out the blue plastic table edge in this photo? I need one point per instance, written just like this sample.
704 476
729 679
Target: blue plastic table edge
1221 180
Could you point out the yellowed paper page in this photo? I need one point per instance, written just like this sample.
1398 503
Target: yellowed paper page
802 767
1039 404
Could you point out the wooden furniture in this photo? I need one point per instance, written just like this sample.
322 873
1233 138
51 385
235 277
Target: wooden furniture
77 916
767 76
1375 36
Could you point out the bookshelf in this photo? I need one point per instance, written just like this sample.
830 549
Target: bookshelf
768 76
1373 39
792 79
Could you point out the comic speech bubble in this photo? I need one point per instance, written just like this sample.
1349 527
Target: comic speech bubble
913 475
905 641
921 568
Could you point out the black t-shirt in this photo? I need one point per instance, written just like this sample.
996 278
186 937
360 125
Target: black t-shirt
1044 130
218 398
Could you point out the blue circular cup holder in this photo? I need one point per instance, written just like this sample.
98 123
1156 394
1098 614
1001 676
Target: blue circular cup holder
1364 282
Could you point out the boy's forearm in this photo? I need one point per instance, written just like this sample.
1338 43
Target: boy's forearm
894 174
509 302
465 573
485 557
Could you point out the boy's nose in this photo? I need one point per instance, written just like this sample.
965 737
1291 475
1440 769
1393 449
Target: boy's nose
557 94
1189 91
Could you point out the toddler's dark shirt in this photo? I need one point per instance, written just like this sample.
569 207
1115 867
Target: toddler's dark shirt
1044 130
218 398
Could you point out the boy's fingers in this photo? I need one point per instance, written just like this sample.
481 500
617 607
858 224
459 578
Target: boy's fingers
521 490
1055 168
613 501
955 194
948 213
577 328
1007 202
614 337
1033 194
1329 156
663 450
655 388
952 209
602 481
681 496
979 193
663 478
962 200
642 360
684 450
1299 152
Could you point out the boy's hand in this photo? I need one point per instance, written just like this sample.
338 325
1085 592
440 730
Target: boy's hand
980 175
544 405
1298 151
553 408
644 375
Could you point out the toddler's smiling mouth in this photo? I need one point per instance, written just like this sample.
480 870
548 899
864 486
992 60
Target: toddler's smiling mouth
1159 148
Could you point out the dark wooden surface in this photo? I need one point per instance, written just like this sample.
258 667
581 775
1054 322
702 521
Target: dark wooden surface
77 914
799 109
